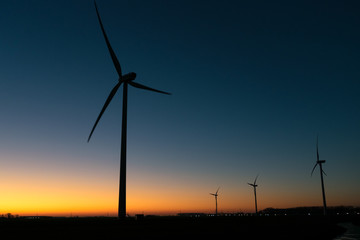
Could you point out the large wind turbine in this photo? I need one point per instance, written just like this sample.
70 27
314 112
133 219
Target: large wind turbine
320 162
215 195
254 185
125 80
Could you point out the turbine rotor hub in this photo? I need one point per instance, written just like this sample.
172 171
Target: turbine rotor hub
129 77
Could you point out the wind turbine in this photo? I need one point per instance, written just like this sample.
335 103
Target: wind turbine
126 79
215 195
320 162
254 185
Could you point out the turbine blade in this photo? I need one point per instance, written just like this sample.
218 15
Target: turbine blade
108 100
250 184
313 169
212 194
138 85
113 56
317 148
217 190
324 172
256 179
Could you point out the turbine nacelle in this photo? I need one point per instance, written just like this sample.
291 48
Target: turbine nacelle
321 161
128 77
216 193
254 184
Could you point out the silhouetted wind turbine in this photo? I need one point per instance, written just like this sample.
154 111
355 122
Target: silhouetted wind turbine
254 185
320 162
125 79
215 195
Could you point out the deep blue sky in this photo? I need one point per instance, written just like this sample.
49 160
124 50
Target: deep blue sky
253 83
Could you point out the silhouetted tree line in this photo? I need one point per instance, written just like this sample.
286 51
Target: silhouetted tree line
339 210
9 215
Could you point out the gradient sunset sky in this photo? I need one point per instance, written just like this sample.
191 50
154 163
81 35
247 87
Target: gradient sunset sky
253 84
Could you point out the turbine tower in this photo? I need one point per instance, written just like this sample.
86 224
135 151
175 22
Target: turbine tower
216 195
126 79
320 162
254 185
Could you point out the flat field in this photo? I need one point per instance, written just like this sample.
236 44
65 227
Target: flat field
274 227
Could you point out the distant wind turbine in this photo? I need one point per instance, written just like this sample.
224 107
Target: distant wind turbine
320 162
216 195
254 185
125 79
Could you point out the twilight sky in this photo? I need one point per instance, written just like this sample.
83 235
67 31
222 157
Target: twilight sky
253 83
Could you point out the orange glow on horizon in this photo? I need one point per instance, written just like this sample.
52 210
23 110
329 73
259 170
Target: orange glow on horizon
95 193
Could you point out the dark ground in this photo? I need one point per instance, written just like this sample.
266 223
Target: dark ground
276 227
